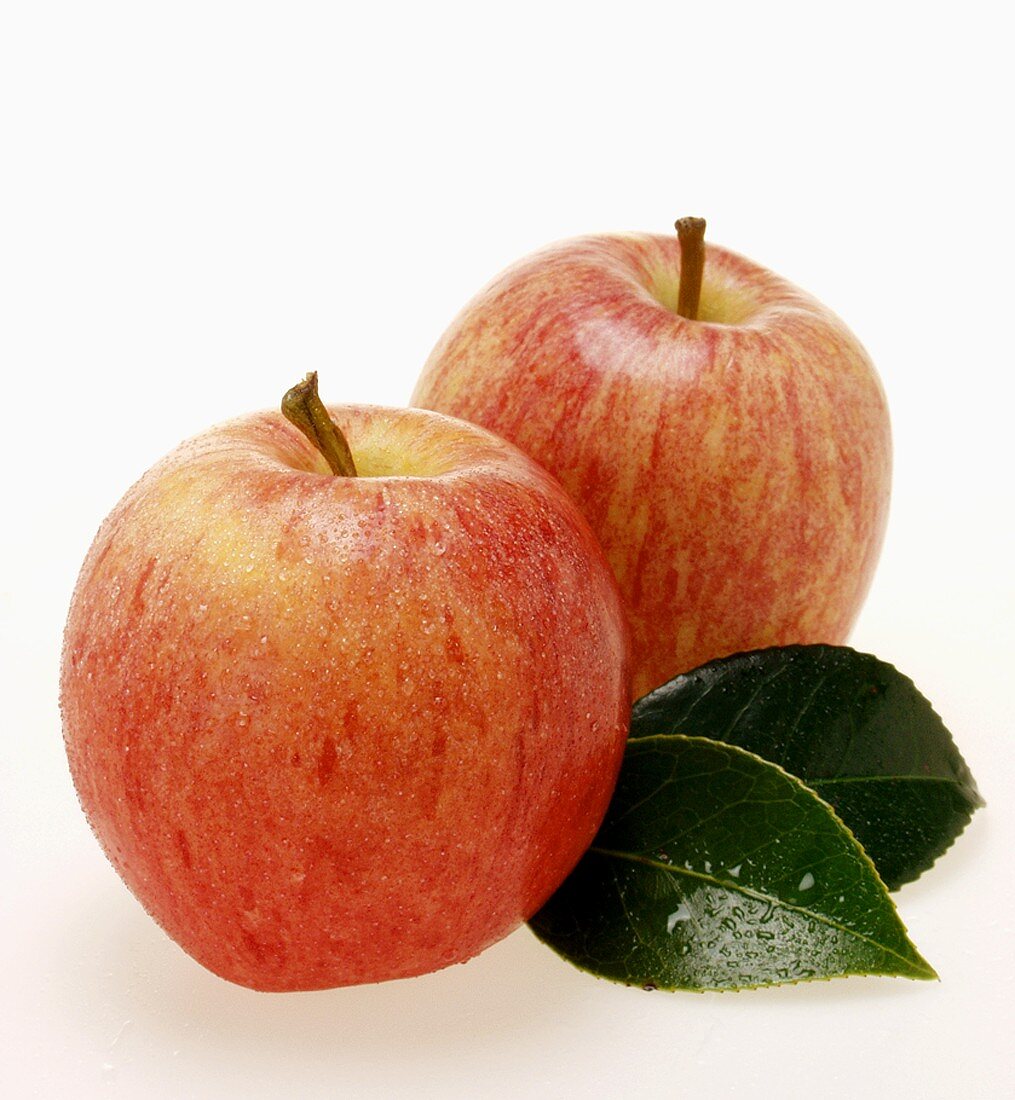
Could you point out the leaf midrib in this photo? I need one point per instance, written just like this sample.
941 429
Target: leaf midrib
885 779
812 781
961 786
746 891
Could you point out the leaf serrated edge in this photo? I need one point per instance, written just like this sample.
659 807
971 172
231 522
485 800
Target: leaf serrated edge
704 990
931 861
966 782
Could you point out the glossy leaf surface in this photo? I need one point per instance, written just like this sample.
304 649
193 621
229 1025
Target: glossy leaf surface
853 728
716 870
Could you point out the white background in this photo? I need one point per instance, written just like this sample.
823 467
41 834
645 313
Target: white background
200 202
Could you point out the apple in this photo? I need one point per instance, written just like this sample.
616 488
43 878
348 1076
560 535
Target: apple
334 729
731 451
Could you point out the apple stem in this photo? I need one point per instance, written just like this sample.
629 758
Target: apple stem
691 232
303 407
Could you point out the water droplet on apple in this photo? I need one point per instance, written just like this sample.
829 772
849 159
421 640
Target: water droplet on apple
439 548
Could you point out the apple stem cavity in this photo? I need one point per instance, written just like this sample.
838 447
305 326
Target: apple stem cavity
303 407
691 233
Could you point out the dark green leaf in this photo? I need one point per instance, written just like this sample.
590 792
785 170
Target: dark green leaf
853 728
716 870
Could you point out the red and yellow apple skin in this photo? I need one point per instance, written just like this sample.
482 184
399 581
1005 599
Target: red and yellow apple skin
336 730
735 468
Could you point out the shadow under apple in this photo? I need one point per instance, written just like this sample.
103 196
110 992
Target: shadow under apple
139 1006
151 994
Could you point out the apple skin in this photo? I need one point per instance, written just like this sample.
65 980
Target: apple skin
338 730
736 469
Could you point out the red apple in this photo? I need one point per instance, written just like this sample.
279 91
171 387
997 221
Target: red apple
735 467
337 729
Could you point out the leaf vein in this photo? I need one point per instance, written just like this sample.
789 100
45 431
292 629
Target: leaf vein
760 896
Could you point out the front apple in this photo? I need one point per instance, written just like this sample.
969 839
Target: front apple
735 467
342 729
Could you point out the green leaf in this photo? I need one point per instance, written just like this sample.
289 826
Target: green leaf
717 870
853 728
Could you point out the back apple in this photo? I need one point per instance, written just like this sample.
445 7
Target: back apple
728 441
